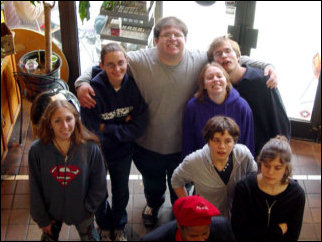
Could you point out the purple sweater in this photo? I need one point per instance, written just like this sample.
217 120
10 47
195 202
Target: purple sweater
196 115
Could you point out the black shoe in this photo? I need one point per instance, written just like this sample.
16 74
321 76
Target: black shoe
149 216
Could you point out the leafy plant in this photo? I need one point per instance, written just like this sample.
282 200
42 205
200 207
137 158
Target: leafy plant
83 10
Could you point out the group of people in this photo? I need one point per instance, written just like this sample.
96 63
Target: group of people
148 114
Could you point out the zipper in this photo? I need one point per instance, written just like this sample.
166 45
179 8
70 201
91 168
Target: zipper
269 210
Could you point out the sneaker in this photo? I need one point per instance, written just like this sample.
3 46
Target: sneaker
120 235
150 217
106 235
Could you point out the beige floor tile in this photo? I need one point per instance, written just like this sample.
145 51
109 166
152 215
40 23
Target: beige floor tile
16 232
308 233
19 216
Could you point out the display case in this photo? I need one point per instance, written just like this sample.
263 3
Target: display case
137 20
10 101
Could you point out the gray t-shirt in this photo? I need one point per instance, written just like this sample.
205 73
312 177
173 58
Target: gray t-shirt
166 89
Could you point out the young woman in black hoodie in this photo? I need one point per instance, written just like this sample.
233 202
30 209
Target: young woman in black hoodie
269 206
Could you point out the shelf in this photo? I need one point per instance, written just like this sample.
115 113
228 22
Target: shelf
137 22
120 11
129 34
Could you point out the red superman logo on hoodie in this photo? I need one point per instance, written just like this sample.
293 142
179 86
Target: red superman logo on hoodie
65 174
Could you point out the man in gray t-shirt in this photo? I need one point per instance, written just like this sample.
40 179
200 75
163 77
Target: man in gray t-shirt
167 78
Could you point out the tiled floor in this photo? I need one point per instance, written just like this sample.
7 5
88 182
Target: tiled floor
16 223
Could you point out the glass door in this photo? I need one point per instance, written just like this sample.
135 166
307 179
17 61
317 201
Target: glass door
289 37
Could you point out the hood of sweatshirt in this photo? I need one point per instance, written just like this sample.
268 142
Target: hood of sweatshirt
232 97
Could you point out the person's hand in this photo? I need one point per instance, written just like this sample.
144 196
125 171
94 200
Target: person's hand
102 127
84 94
128 118
47 229
283 227
272 81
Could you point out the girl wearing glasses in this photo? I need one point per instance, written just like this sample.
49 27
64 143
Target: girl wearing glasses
119 117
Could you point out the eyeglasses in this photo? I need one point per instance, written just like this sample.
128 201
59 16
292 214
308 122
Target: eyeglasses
172 35
227 51
119 64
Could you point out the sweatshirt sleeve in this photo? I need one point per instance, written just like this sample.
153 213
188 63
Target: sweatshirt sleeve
91 119
245 60
188 138
134 128
251 164
294 222
97 189
85 77
183 174
38 209
247 130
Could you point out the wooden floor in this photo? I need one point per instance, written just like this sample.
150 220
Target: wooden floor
16 223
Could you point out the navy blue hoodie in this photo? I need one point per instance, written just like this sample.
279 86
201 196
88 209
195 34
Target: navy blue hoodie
111 109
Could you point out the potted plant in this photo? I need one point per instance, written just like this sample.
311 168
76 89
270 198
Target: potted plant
40 69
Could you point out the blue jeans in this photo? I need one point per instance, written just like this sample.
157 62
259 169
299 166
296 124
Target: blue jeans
156 170
115 217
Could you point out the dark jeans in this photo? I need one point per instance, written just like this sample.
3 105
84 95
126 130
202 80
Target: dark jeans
156 170
85 229
115 217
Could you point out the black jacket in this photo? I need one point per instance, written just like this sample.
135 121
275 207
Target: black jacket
270 118
220 231
250 218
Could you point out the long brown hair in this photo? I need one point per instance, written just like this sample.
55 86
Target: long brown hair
80 134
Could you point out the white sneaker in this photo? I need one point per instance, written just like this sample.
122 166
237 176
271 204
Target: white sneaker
106 235
149 216
120 235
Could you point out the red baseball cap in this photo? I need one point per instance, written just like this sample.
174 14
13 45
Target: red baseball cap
194 211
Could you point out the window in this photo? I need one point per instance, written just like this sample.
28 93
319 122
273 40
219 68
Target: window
290 38
204 22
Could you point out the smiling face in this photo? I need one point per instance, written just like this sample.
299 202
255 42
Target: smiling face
171 43
215 82
221 146
226 56
63 124
115 66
